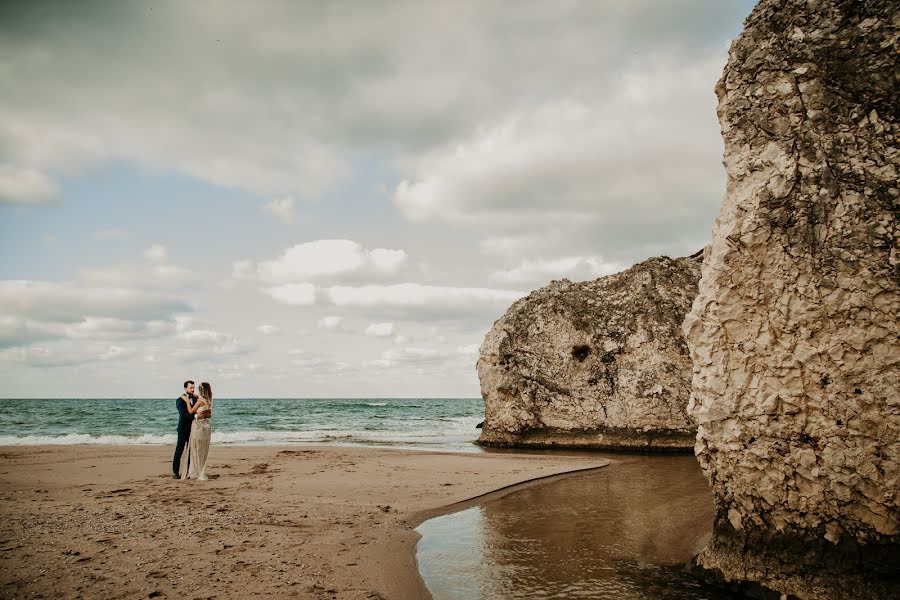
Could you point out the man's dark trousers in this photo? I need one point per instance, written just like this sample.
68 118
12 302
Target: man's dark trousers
185 419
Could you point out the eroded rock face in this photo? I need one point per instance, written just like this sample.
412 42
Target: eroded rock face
794 334
598 364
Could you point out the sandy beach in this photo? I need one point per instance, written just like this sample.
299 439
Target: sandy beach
272 521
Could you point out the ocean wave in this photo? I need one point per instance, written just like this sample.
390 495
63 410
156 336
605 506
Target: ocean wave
84 438
376 403
385 437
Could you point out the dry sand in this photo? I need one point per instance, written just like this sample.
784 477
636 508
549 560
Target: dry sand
274 521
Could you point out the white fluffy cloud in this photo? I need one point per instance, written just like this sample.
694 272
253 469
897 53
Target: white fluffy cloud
331 322
156 253
540 271
293 294
323 259
282 208
267 329
25 185
207 345
470 350
380 330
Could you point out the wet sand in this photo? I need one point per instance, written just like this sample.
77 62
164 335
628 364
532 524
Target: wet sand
304 522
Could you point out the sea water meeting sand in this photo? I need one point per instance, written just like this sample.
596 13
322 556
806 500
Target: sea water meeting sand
423 423
325 520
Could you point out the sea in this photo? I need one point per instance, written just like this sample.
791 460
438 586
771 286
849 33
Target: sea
439 424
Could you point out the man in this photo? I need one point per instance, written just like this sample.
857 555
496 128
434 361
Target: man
185 419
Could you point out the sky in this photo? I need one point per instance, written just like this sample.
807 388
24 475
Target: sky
333 199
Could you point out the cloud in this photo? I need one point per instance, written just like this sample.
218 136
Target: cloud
293 294
317 363
421 355
116 352
49 357
330 323
156 253
402 301
380 330
267 329
207 345
155 273
72 303
19 332
205 91
386 261
231 371
282 208
576 268
151 276
243 269
82 312
323 259
518 244
632 163
39 356
470 350
25 185
413 300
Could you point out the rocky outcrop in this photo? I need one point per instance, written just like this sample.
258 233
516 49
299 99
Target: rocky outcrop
598 364
794 333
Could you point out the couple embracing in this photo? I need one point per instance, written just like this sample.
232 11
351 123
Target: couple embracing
194 432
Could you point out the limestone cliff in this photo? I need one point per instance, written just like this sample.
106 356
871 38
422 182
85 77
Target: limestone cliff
794 333
598 364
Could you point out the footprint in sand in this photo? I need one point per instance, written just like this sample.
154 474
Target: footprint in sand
259 469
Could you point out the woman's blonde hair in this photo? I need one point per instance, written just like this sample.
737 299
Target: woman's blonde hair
205 391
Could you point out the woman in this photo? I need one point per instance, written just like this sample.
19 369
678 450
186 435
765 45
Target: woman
201 432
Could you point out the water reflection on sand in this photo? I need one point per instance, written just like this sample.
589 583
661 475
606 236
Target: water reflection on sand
622 532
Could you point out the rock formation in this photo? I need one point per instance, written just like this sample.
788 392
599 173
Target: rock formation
794 334
598 364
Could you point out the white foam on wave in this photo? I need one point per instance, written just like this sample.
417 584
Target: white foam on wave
376 403
232 437
414 437
84 438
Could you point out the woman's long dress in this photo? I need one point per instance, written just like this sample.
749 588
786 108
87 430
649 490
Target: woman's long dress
193 463
201 434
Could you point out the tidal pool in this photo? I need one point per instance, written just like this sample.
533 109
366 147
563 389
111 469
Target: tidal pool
623 532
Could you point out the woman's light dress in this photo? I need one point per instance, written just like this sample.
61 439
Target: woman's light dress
198 446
